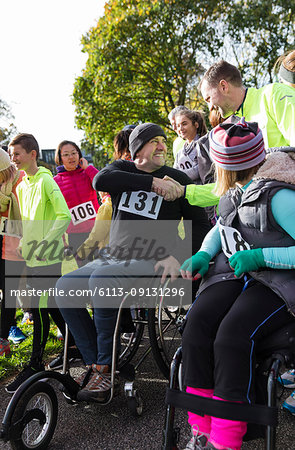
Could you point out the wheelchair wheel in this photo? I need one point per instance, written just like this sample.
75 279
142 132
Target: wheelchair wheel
135 405
165 338
131 341
34 418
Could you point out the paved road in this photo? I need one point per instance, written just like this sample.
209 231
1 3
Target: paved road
112 427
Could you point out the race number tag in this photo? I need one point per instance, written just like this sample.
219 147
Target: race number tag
185 163
82 212
232 241
9 227
143 203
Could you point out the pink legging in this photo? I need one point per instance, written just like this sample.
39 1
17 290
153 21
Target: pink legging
226 433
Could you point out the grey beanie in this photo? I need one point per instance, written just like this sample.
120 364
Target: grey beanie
142 134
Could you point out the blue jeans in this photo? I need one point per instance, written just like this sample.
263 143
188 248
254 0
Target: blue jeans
94 338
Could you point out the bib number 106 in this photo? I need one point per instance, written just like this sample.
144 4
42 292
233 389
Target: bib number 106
82 212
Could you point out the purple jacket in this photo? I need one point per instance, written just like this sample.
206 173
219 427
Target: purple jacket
76 186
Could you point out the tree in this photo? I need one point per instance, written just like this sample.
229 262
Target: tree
7 128
258 31
99 155
146 56
142 62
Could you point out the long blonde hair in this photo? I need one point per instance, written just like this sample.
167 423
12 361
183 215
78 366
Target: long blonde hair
226 179
8 174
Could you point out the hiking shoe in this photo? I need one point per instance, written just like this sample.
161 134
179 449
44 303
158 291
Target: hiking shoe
26 373
4 347
27 318
288 379
197 442
99 385
57 363
16 335
289 403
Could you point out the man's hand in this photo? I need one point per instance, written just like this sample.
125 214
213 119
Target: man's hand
171 267
167 188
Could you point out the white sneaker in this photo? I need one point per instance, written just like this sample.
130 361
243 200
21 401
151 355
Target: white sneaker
197 442
288 379
289 403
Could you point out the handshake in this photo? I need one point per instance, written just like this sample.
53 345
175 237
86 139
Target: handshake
167 188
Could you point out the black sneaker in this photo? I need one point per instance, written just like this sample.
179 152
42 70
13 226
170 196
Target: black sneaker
57 363
26 373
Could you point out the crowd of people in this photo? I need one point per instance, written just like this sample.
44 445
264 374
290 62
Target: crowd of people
235 185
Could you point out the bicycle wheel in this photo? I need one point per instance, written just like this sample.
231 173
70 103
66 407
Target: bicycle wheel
164 335
130 342
34 418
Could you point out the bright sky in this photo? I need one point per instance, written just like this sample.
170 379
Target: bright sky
40 58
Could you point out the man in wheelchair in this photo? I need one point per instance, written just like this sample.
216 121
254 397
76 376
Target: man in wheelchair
248 293
143 239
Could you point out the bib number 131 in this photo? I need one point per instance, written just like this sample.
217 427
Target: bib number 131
142 203
232 241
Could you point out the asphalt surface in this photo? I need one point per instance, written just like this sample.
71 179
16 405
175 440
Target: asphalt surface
92 426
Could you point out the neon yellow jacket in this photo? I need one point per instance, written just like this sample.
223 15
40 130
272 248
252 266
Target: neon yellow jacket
273 107
201 195
45 218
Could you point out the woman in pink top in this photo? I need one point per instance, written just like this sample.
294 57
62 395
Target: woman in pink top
74 177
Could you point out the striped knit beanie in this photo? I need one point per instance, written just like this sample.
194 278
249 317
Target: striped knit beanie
236 146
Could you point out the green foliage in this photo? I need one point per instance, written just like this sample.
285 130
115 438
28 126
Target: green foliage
146 56
142 62
259 31
7 128
100 156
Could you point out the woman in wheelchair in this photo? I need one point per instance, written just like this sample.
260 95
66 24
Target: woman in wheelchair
248 292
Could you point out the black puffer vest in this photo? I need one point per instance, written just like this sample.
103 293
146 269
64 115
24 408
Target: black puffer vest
250 213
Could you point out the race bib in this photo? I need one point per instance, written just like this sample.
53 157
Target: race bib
82 212
232 241
10 227
185 163
142 203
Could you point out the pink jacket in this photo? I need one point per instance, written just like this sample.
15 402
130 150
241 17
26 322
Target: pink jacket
76 187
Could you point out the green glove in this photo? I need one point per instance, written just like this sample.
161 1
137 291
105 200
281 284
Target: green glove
198 262
247 260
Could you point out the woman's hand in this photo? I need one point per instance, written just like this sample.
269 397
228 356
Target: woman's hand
83 163
246 261
197 263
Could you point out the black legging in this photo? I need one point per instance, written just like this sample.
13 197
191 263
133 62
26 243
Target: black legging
44 278
41 331
8 314
222 329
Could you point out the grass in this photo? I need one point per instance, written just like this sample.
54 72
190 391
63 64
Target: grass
21 353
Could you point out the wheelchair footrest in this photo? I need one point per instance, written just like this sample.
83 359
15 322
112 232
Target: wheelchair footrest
259 414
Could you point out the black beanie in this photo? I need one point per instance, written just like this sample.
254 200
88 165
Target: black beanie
142 134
